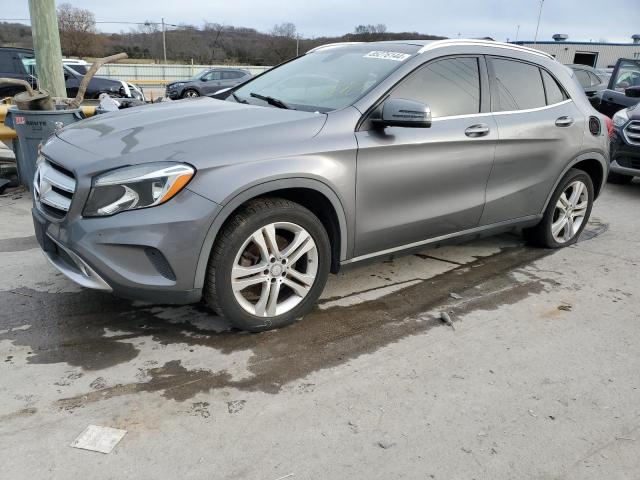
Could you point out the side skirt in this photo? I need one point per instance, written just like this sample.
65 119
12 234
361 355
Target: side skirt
451 238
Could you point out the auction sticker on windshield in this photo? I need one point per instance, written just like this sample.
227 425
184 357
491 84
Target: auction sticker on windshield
396 56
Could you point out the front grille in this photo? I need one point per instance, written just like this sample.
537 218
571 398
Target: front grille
632 132
53 188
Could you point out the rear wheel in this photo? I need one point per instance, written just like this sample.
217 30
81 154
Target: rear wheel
268 266
567 213
619 178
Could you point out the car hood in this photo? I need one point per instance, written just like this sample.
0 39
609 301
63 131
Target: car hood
204 132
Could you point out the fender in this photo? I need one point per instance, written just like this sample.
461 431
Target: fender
231 205
591 155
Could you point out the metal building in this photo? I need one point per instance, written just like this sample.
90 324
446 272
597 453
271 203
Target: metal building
594 54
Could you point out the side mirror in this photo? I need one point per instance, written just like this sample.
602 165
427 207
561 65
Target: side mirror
633 92
204 79
399 112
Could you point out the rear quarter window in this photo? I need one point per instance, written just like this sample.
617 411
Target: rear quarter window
555 93
518 86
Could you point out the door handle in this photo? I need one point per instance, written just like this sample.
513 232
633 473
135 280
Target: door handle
479 130
564 122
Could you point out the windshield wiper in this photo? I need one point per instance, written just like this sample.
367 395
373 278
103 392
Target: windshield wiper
238 99
271 101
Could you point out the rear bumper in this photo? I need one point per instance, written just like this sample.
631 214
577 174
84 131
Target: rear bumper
149 254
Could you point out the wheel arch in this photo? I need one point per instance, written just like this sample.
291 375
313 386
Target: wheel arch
311 193
593 164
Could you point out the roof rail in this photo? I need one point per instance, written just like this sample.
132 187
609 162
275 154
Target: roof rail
487 43
331 45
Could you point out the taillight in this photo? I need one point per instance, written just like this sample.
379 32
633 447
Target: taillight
609 126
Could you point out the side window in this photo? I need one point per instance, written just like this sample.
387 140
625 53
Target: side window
29 63
628 75
215 75
6 62
555 94
231 75
450 87
518 86
583 78
595 80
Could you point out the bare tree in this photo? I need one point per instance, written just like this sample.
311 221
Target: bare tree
287 30
77 30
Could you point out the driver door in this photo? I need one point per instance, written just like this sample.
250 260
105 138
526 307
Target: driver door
415 184
211 82
626 74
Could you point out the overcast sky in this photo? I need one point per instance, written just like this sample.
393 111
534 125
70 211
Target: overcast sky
582 20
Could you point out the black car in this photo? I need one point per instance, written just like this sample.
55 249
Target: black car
625 145
20 63
590 79
623 88
207 82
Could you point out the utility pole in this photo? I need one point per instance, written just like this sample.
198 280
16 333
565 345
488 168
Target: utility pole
535 39
164 42
517 32
46 43
297 44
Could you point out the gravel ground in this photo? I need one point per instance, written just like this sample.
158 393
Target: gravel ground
538 378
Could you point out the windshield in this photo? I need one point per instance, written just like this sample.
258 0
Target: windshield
328 79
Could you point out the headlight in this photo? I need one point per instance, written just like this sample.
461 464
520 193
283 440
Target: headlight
178 85
620 118
139 186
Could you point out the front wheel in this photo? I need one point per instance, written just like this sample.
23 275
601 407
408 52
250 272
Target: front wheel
567 213
190 94
268 266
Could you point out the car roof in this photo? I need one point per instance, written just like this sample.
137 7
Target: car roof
426 45
22 49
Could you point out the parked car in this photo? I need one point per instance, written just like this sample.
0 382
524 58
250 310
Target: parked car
207 82
20 63
249 202
623 89
625 145
591 80
80 66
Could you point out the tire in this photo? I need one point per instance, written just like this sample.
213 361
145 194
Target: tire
619 179
235 254
190 93
542 234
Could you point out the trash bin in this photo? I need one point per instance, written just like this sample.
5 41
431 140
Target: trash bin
33 127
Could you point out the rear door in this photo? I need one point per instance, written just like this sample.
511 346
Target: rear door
539 128
415 184
626 74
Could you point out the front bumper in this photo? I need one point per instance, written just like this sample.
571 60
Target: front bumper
625 157
149 254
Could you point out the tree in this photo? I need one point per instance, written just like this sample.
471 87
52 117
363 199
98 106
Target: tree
282 43
287 30
77 30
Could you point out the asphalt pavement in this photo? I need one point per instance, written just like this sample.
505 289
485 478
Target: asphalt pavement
538 376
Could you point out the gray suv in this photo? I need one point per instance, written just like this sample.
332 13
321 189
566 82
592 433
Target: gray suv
350 152
207 82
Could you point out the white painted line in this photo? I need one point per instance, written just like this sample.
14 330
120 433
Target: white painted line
99 439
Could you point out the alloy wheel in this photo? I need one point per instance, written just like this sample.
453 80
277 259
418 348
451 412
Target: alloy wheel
570 211
191 94
274 269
